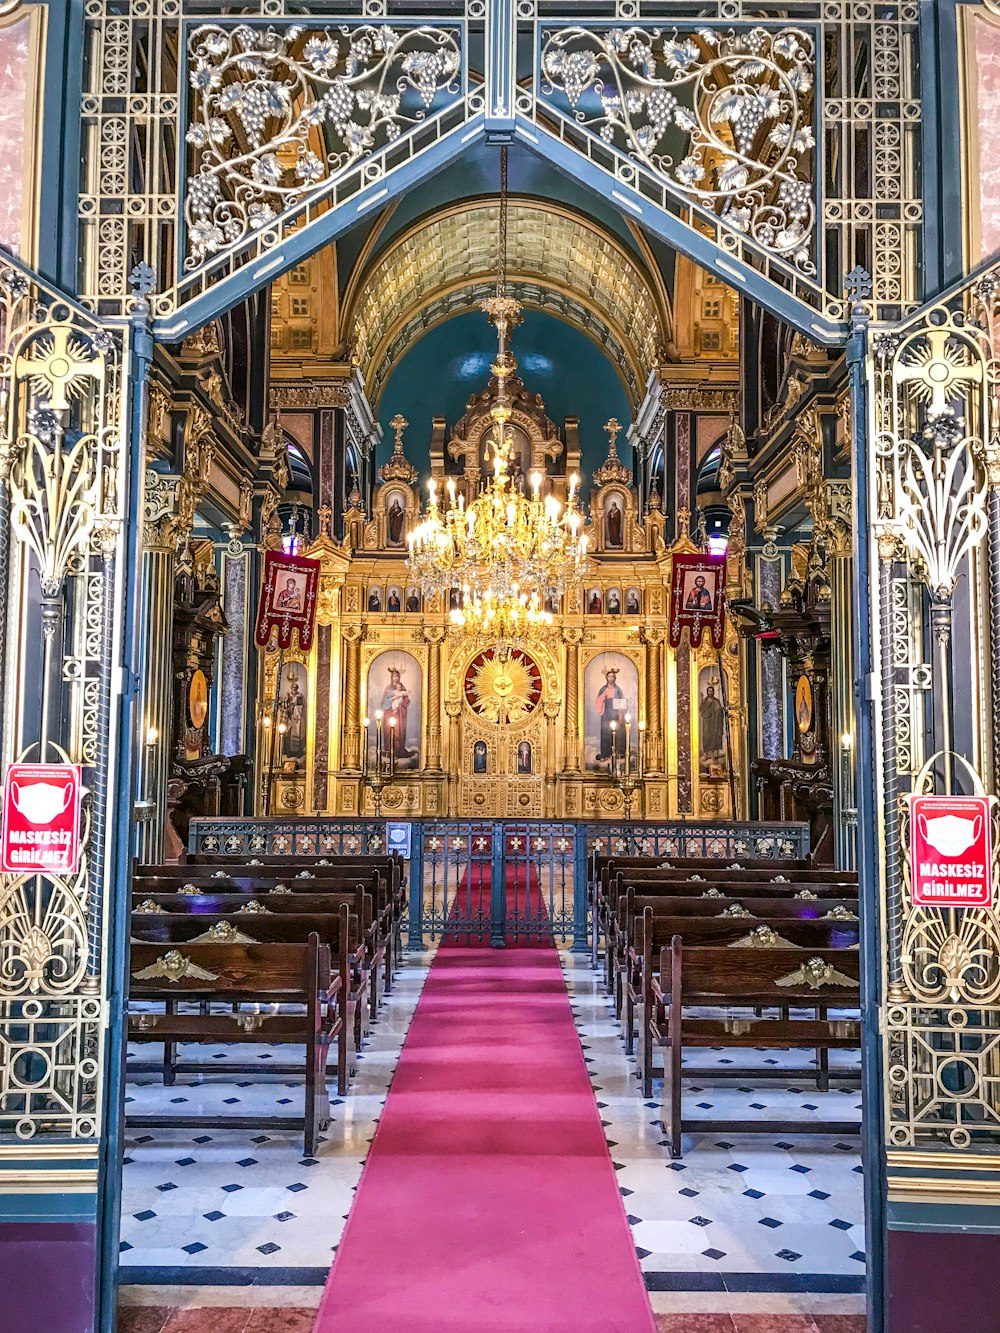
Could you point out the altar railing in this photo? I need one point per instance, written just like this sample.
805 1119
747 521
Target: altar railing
496 881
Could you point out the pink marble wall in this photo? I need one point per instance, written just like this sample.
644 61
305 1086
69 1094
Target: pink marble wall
15 54
985 114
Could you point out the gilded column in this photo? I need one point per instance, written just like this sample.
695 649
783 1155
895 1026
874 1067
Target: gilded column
352 698
551 711
653 639
434 636
453 708
154 712
571 729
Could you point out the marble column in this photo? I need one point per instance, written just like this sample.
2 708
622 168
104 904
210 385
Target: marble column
571 727
154 711
232 700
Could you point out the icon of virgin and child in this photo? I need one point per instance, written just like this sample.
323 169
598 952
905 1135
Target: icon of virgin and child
395 705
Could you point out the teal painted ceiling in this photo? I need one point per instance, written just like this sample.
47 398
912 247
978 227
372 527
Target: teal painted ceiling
439 373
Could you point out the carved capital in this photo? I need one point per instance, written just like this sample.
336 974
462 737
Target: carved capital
572 636
352 633
651 636
552 708
889 541
433 633
453 707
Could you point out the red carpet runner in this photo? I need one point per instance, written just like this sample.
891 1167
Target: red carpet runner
488 1203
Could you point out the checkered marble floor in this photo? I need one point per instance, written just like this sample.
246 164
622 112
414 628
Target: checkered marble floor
215 1198
733 1204
200 1200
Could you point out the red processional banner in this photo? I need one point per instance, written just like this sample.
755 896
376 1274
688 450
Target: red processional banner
287 599
697 598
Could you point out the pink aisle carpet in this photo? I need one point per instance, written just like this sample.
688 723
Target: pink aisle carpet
489 1202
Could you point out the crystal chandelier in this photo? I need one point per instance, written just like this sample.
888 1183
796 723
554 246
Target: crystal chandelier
507 552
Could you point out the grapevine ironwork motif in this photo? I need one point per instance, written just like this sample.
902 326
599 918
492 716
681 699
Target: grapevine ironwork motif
725 115
277 112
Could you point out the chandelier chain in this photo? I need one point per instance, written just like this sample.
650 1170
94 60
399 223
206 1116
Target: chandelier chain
502 259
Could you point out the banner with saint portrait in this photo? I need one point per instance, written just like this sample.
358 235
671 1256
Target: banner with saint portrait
287 600
697 598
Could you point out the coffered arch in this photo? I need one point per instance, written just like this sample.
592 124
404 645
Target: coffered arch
557 260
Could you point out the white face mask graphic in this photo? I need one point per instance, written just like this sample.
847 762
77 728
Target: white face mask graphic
41 802
950 835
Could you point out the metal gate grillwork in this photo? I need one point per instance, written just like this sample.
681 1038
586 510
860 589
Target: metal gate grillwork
477 882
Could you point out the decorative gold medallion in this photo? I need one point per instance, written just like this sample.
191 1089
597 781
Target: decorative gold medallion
503 689
198 699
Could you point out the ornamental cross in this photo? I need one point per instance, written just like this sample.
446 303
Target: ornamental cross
939 372
612 427
60 366
399 423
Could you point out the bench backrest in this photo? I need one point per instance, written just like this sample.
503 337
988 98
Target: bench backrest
270 972
234 906
804 977
289 928
791 909
735 934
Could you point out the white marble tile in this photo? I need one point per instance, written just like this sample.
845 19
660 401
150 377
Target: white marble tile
734 1203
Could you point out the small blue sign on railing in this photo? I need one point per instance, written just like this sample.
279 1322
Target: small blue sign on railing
399 838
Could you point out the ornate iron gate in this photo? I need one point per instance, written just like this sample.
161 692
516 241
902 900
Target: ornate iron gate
503 882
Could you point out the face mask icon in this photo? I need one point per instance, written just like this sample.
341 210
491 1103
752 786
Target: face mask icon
950 835
41 802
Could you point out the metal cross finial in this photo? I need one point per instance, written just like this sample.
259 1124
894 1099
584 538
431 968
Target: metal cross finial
399 423
612 427
684 520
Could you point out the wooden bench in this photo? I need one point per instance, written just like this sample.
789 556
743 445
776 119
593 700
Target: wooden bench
700 891
683 977
201 881
390 864
272 974
181 927
728 932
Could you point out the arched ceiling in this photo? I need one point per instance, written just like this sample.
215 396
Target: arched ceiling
532 295
584 274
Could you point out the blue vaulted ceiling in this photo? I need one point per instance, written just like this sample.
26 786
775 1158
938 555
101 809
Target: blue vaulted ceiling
439 373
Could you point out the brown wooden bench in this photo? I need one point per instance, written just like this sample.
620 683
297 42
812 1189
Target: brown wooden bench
202 881
702 891
245 911
727 932
184 927
790 979
390 864
282 975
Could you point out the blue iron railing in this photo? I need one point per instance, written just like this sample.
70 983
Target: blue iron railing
473 881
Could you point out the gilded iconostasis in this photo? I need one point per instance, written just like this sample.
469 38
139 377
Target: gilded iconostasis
471 730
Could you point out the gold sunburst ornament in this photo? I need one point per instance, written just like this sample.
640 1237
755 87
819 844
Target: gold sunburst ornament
503 689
